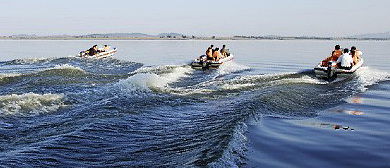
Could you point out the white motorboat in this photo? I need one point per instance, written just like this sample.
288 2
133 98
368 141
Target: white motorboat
100 53
331 71
202 62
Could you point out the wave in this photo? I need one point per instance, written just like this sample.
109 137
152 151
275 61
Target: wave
145 81
234 154
231 67
159 69
368 76
67 66
208 86
217 87
63 71
30 103
102 66
9 75
27 61
301 80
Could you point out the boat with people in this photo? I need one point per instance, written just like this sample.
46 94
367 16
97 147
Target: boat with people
213 58
340 64
98 52
203 63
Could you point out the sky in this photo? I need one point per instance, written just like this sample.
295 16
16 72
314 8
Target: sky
329 18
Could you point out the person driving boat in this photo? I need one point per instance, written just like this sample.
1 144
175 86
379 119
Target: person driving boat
209 53
93 50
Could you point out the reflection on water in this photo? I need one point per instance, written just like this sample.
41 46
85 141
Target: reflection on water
349 112
320 124
336 127
355 99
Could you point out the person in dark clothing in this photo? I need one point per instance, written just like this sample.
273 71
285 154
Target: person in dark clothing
93 51
209 53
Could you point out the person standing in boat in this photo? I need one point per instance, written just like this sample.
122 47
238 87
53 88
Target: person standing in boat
345 61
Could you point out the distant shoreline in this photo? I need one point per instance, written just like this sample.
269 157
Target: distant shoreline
195 38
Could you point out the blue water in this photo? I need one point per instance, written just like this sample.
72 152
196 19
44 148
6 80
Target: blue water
145 107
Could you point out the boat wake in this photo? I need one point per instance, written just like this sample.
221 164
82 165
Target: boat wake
148 81
231 67
170 115
367 76
30 103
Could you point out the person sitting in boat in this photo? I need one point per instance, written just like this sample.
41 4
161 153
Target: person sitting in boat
336 53
345 61
106 48
356 54
93 50
216 54
225 52
209 53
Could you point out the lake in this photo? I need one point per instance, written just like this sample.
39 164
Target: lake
145 107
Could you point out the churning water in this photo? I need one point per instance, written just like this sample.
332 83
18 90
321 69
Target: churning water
147 108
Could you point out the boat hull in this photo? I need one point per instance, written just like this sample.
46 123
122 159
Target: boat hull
106 54
331 71
207 64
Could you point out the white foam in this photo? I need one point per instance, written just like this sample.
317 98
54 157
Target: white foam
304 79
236 86
265 76
6 75
231 67
30 103
368 76
232 156
67 66
32 60
147 81
156 68
244 82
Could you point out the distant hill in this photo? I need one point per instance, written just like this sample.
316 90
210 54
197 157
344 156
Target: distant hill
108 35
103 36
385 35
24 35
169 34
118 35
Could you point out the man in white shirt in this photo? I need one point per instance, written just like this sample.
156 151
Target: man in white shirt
345 61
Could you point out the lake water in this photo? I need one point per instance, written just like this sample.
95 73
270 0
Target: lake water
145 107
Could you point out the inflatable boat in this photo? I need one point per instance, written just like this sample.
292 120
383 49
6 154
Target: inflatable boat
331 71
101 54
202 62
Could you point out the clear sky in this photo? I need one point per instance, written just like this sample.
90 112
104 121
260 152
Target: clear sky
195 17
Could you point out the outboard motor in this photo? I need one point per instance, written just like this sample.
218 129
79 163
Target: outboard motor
331 70
203 62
